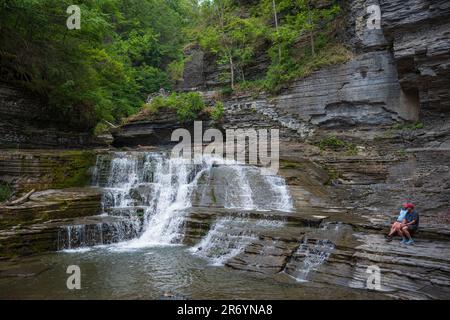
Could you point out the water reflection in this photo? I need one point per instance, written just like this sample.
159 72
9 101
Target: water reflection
150 273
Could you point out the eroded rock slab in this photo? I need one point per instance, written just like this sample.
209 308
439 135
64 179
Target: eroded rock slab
52 204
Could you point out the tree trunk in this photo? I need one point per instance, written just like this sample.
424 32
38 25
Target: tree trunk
231 72
275 15
313 49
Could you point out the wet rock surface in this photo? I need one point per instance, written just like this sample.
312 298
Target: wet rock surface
343 200
52 204
63 234
32 227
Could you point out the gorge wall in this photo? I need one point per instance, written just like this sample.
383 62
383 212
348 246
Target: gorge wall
398 73
399 69
25 122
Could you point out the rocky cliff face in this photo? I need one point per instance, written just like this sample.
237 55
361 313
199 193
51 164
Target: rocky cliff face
399 73
24 123
400 68
25 170
419 31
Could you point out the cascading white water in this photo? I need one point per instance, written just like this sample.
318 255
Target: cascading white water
246 189
283 198
162 188
240 195
174 182
226 239
123 175
313 255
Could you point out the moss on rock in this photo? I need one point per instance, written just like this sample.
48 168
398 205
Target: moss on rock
46 169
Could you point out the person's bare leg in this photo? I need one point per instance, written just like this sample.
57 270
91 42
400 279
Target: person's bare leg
399 232
406 232
391 232
393 228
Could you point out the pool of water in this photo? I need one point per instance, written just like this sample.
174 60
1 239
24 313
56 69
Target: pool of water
109 272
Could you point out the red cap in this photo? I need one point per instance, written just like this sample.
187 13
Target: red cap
408 205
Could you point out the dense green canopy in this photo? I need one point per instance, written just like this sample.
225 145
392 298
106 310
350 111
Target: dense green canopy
104 70
128 49
297 35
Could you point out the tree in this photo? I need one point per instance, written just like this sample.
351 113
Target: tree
231 37
275 17
103 71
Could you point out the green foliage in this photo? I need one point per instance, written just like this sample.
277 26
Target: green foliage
217 112
277 75
300 42
336 144
106 69
401 152
227 91
101 128
5 191
232 38
333 175
331 142
76 171
408 126
352 149
187 105
176 69
128 49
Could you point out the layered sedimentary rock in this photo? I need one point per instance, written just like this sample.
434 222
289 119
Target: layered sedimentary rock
25 170
52 204
25 123
155 129
33 227
321 243
63 234
420 34
365 91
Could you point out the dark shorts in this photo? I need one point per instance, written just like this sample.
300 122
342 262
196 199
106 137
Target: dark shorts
412 228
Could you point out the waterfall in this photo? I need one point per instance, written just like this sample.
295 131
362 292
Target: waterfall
226 239
174 181
315 249
310 255
82 236
246 190
157 191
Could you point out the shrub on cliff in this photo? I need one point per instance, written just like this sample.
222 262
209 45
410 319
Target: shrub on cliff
336 144
187 105
217 112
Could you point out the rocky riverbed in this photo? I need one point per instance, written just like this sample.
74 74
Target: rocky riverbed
357 140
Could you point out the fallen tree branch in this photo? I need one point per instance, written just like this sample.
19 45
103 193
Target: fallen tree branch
110 124
21 200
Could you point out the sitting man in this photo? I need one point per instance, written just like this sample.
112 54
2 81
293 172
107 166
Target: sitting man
409 225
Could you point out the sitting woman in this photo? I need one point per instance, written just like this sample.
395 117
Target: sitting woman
399 222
